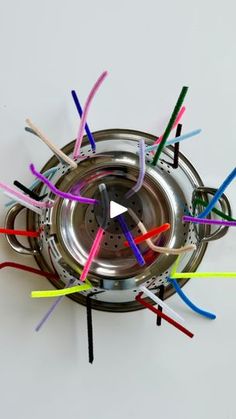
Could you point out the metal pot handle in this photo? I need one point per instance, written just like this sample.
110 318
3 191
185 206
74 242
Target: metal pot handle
225 208
12 240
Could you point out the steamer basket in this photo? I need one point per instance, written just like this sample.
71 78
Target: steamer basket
70 227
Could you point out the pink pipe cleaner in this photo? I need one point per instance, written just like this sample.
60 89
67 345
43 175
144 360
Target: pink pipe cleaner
24 197
92 253
85 114
178 119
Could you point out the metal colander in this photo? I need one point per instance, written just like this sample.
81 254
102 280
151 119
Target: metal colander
70 227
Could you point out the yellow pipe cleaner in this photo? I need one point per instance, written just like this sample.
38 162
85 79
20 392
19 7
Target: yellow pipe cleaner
62 292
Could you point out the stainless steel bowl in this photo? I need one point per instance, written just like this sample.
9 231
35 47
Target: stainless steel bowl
70 227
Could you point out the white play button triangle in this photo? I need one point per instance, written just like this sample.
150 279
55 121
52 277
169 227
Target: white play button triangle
116 209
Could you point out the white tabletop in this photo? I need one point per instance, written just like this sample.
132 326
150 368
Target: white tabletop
151 49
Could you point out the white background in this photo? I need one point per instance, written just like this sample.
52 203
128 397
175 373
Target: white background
150 48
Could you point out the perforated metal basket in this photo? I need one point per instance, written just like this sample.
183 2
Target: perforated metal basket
70 227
